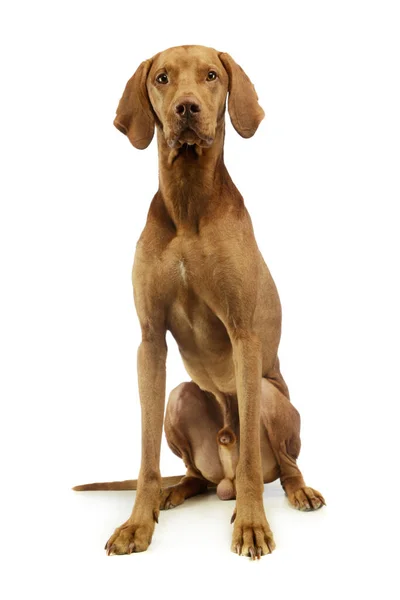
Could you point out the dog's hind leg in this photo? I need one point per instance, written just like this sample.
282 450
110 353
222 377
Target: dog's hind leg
281 423
192 422
190 485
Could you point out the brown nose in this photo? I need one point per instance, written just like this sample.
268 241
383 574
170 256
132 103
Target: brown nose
187 106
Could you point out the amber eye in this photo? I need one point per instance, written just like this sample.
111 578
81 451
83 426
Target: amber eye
162 78
211 76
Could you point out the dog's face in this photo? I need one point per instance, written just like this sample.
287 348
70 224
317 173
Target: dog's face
187 89
183 90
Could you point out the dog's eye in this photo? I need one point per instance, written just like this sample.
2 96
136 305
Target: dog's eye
211 75
162 78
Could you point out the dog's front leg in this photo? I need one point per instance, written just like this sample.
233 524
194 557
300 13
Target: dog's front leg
136 533
252 535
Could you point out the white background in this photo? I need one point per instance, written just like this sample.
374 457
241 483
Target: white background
321 182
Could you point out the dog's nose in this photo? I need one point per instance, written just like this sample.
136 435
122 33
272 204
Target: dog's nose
187 106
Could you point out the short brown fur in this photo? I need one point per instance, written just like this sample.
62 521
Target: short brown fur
199 273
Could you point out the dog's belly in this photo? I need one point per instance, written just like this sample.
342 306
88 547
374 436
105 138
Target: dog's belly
203 343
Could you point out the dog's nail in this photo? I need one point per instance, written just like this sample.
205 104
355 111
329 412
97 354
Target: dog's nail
259 552
233 517
252 553
271 545
131 547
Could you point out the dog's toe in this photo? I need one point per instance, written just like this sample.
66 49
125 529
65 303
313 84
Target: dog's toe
171 497
306 499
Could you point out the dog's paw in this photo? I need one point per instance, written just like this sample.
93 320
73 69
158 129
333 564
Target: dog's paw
252 538
171 497
130 537
306 499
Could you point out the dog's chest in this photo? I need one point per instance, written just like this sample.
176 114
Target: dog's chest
202 338
182 272
190 319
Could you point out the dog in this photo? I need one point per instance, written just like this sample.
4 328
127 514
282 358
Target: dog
199 274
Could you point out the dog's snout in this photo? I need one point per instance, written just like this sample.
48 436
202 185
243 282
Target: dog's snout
187 106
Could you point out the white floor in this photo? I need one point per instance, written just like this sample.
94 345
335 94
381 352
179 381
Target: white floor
336 552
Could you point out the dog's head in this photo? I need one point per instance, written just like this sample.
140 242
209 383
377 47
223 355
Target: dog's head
183 90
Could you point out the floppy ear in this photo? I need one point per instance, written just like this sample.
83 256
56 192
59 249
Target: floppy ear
134 113
245 112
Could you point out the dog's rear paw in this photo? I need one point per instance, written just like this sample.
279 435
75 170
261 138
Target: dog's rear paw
306 499
171 497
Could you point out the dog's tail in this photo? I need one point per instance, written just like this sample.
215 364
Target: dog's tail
129 484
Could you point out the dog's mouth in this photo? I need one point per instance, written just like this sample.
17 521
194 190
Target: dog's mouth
190 136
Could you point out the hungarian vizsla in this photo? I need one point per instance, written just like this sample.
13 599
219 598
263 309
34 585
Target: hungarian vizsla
199 273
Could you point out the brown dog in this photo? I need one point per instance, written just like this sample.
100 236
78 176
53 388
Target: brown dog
199 273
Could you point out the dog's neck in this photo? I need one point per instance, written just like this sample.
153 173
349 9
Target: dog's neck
190 181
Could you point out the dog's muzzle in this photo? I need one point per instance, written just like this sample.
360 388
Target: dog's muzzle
187 124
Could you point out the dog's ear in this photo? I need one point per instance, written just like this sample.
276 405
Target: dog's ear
245 112
134 113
